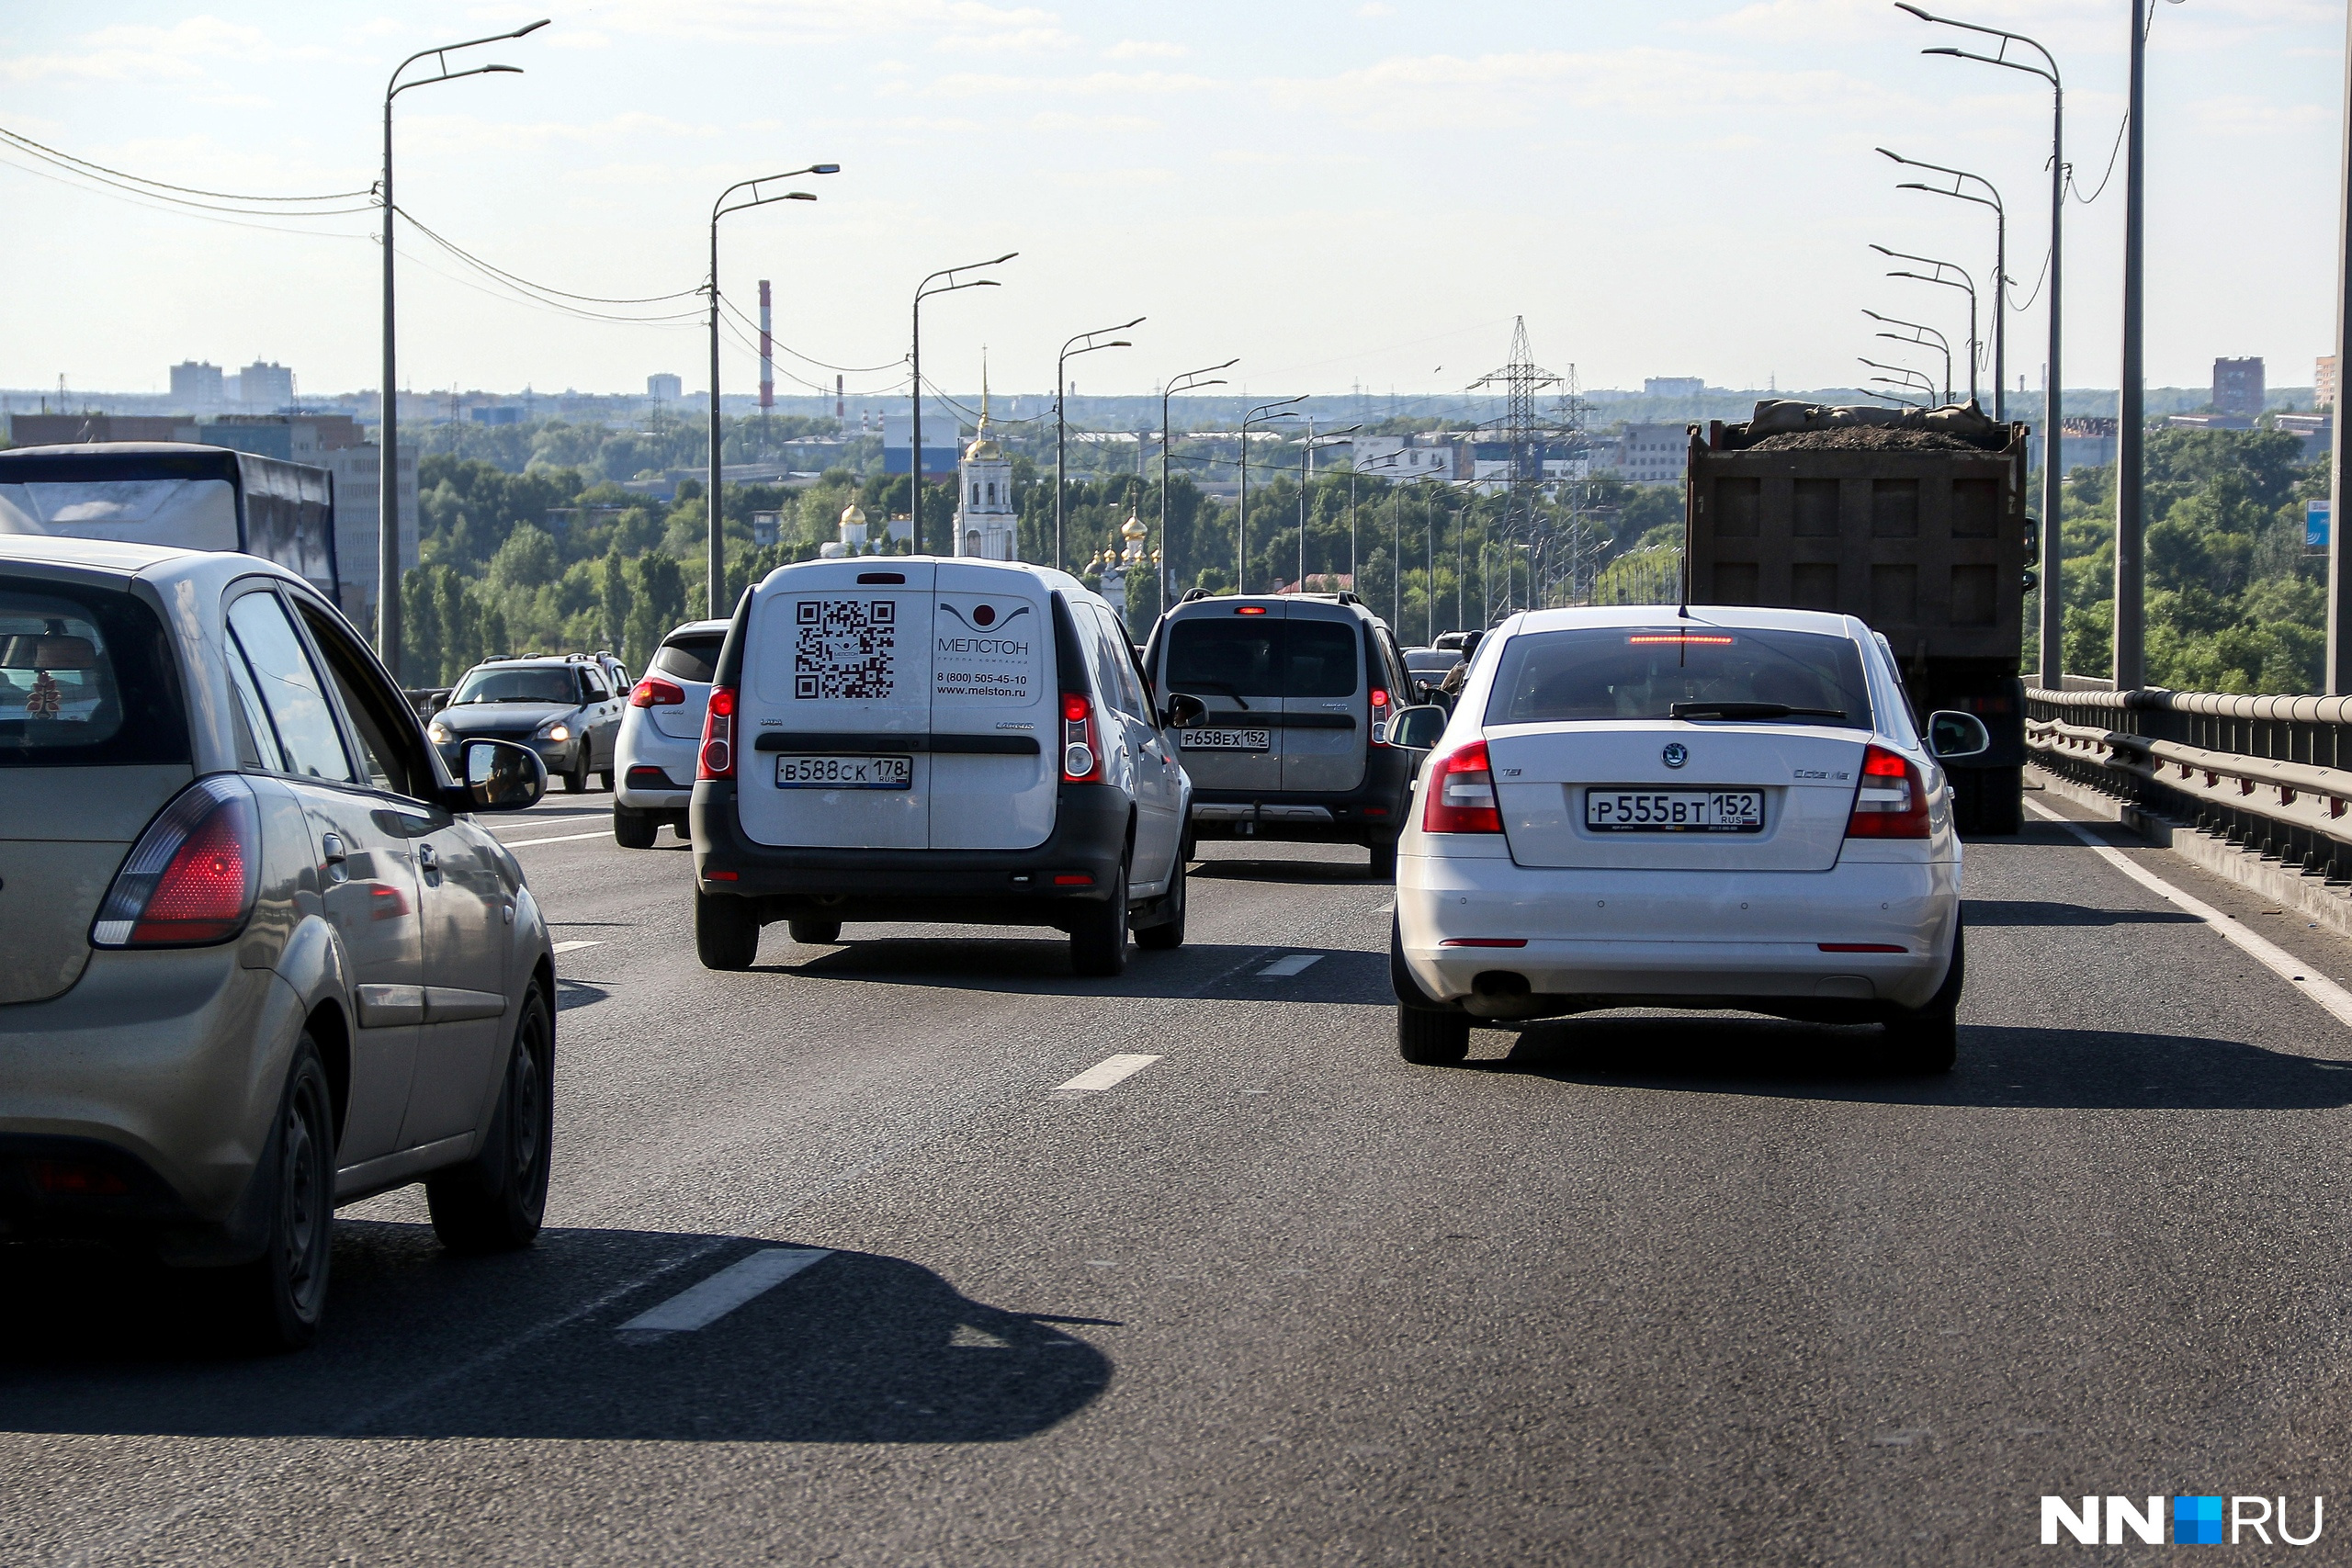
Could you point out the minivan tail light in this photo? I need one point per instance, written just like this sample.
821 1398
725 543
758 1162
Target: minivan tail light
1382 712
655 693
1891 800
192 877
1081 761
1461 798
717 758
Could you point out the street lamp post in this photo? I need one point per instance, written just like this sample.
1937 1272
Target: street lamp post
1991 198
1185 382
2053 664
718 210
1917 379
1241 517
1963 282
387 477
1920 335
1082 344
923 291
1307 472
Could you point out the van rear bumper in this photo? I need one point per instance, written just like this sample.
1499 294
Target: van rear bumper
973 887
1374 810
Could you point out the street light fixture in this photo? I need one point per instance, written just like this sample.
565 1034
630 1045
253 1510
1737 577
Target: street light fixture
923 291
1919 340
1085 345
1966 284
1305 454
1991 198
1241 517
718 210
2053 664
388 478
1919 380
1185 382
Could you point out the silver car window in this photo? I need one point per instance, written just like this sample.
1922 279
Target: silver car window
257 741
289 688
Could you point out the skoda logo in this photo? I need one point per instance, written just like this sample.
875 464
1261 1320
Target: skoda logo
1676 754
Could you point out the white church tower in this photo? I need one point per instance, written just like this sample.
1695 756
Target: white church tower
986 525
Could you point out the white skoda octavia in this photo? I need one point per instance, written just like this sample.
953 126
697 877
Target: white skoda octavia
1703 807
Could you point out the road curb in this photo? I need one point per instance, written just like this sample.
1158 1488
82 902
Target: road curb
2274 880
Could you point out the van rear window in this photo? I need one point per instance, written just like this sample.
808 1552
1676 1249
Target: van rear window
1258 656
693 658
86 679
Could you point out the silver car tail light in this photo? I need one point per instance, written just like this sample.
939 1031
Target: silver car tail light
1891 800
191 879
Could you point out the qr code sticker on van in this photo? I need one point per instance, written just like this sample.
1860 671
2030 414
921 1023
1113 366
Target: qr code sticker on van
845 649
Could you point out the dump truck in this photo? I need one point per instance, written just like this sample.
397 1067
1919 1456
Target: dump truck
1913 521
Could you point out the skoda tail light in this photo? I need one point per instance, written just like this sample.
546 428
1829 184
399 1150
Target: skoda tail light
192 877
1891 800
655 693
717 758
1461 798
1082 762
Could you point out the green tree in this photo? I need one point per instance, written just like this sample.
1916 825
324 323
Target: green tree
617 599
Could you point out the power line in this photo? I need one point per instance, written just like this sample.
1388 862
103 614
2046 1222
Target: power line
503 274
181 210
55 155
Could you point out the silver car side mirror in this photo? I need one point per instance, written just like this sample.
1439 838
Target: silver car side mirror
501 776
1951 734
1418 728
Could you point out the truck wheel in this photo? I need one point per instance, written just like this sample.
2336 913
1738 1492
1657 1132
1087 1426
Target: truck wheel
1169 934
727 933
810 931
278 1298
494 1201
632 829
1098 938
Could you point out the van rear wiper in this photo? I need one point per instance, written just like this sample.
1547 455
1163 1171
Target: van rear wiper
1232 692
1747 710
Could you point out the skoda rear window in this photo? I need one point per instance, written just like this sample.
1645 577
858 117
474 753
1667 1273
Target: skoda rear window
693 658
86 679
1258 656
1699 672
542 683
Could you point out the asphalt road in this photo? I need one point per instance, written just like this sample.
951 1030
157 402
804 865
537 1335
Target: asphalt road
1626 1290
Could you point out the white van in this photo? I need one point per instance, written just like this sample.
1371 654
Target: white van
904 737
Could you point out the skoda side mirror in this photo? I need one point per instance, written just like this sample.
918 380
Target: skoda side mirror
1185 710
501 776
1418 728
1952 735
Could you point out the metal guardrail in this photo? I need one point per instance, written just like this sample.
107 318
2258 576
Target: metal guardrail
2273 775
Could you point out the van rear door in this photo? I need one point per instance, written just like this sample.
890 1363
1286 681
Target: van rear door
995 773
1325 708
835 707
1230 657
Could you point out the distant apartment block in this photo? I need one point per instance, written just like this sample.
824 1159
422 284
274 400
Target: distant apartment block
2237 386
1647 454
70 429
1396 457
1675 387
197 382
265 384
664 388
2324 381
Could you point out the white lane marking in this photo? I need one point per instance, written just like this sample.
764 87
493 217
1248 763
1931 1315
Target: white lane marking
2275 959
700 1306
1295 964
1104 1072
576 946
566 838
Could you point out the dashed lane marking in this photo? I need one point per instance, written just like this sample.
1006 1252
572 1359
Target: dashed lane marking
1109 1070
1295 964
566 838
700 1306
576 945
2275 959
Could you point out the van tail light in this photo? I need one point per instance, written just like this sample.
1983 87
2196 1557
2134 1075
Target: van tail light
1891 800
1082 762
1461 798
1382 711
192 877
717 758
655 693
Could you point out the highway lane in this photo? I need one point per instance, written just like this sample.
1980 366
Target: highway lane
1622 1289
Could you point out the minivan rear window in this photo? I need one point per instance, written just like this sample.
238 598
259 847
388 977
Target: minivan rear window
86 679
1686 672
1258 656
693 658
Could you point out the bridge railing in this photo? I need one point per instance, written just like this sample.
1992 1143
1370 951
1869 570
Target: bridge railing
2273 775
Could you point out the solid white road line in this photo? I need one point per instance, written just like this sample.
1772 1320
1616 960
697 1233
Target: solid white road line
2275 959
576 946
1104 1072
568 838
1295 964
700 1306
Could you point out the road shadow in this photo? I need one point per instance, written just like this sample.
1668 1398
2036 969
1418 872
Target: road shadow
571 994
1350 873
858 1348
2038 912
2000 1066
1040 966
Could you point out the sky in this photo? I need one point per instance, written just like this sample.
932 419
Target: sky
1342 194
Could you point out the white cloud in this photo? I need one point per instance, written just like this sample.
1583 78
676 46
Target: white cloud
1374 8
1145 49
124 53
1094 84
1059 121
2239 116
1009 40
803 23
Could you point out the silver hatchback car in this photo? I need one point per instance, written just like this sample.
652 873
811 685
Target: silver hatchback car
262 961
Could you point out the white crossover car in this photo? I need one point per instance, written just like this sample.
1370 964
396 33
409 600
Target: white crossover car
1704 807
661 733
